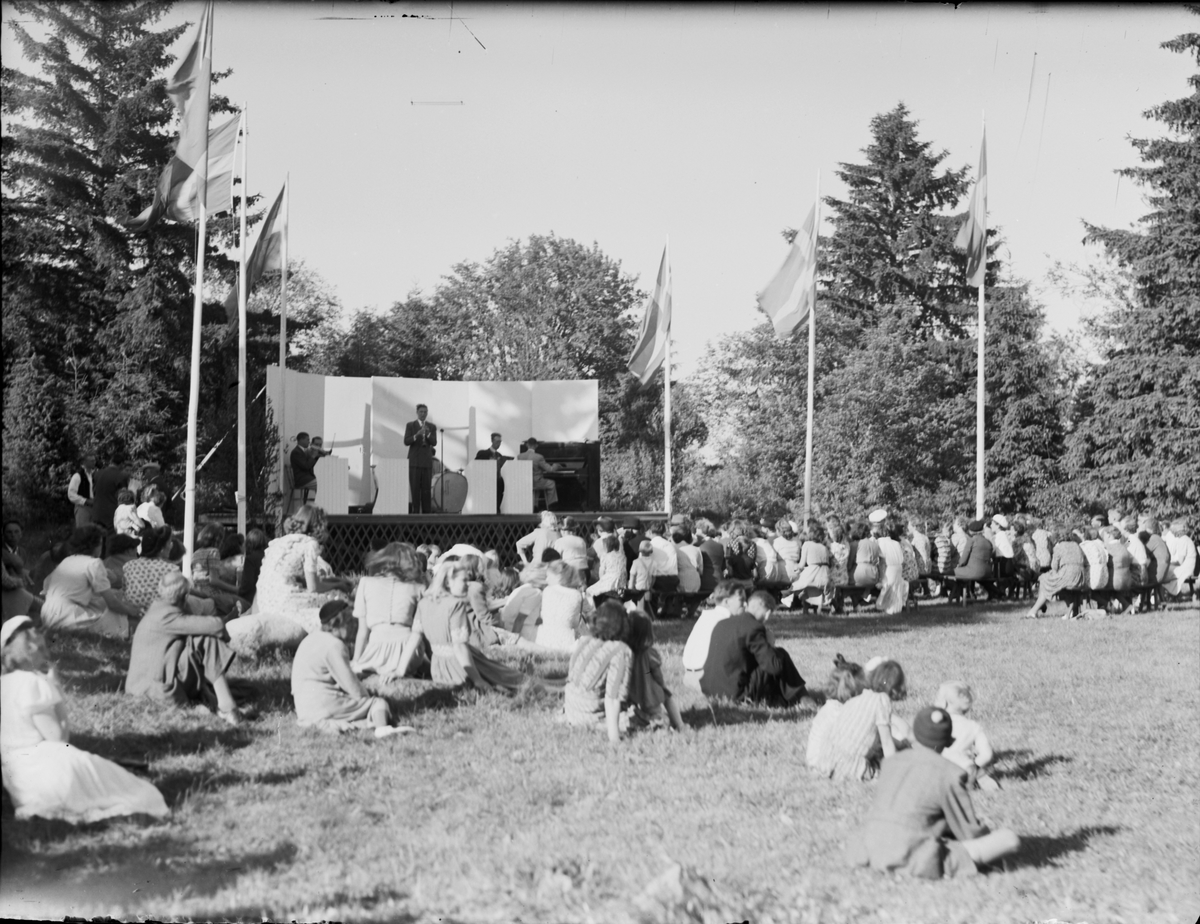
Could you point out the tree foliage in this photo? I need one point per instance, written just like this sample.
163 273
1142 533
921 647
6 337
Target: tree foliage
1137 420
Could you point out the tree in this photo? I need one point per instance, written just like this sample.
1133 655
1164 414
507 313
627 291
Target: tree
893 243
1137 418
93 314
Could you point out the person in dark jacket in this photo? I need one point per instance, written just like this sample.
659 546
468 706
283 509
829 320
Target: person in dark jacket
742 664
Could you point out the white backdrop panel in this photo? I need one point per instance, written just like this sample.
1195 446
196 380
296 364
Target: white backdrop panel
566 411
348 430
298 406
393 404
448 408
505 408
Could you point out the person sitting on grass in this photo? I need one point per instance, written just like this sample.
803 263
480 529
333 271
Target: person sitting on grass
385 603
864 723
44 774
442 617
649 699
79 594
971 748
728 599
564 607
599 675
845 683
327 694
743 665
182 659
522 611
923 821
1068 571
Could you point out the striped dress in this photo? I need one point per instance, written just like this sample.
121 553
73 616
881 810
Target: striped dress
852 735
599 670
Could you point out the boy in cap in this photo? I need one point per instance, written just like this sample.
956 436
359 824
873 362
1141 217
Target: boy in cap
923 821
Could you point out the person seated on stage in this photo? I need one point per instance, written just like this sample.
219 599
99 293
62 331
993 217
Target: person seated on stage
572 546
743 665
540 468
923 821
531 546
316 449
303 464
182 659
44 774
327 694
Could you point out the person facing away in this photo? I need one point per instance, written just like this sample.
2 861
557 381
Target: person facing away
923 822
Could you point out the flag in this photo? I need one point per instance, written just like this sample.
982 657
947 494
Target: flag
267 254
651 348
180 183
222 146
972 236
792 292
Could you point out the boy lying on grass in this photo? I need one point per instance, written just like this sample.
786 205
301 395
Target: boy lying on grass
327 693
923 821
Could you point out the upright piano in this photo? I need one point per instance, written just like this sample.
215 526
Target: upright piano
578 482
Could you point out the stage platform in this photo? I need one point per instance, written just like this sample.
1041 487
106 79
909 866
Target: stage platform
350 536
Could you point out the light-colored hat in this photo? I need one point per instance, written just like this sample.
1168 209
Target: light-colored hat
10 628
873 663
878 516
1000 520
460 549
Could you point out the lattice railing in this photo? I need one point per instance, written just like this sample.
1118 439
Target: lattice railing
350 536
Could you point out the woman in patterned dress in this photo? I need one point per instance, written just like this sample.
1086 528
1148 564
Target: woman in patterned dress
600 674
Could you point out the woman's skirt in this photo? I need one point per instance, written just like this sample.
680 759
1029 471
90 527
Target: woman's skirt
813 581
1070 577
384 648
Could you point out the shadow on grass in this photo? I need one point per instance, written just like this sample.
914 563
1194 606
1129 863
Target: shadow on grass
1026 769
121 875
144 746
180 784
1040 850
730 713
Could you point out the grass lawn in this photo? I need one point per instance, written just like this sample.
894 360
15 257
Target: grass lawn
492 812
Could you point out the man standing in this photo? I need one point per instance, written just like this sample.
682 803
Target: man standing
106 484
80 490
420 436
303 464
500 458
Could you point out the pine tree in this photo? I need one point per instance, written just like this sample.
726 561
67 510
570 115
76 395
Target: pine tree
102 314
1137 433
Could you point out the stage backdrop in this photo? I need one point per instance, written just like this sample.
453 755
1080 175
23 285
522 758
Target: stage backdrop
364 418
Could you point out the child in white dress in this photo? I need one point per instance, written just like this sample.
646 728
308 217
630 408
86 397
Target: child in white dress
45 775
564 607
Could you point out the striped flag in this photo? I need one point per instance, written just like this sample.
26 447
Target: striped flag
267 254
792 292
972 236
651 348
186 174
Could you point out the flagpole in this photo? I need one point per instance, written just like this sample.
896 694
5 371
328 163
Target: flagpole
283 438
189 491
979 387
667 394
812 359
241 398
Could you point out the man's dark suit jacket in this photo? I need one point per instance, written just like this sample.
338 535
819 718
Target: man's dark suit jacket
493 454
107 482
420 455
303 466
738 645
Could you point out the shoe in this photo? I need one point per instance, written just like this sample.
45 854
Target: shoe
232 717
386 731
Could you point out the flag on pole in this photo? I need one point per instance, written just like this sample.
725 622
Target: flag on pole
222 146
267 254
792 292
185 176
651 348
972 236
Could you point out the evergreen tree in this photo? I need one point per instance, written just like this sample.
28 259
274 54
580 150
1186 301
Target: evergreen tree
102 315
1137 431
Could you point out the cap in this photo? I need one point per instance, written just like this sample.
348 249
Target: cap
975 526
933 728
9 629
1000 520
330 610
878 516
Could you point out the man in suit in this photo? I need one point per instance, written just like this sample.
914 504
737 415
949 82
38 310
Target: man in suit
107 483
303 464
80 490
420 436
742 664
494 453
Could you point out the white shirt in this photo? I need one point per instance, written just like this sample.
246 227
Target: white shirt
151 514
665 560
73 489
695 652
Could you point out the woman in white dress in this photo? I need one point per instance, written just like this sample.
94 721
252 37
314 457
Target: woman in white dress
893 589
384 605
79 593
43 773
564 607
287 605
530 547
1183 558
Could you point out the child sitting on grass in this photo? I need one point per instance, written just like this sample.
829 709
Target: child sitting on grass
864 721
971 749
845 683
325 689
649 698
923 821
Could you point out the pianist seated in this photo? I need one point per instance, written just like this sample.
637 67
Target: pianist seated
540 469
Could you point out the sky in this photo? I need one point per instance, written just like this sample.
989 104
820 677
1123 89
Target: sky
417 136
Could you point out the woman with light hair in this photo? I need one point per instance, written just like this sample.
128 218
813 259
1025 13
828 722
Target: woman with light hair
530 547
385 603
